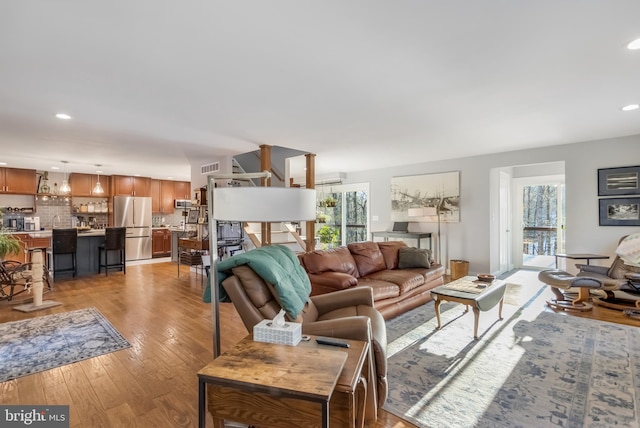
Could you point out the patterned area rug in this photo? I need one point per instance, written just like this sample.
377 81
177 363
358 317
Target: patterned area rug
533 368
50 341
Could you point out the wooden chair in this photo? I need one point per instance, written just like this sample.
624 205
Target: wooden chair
114 241
64 242
16 278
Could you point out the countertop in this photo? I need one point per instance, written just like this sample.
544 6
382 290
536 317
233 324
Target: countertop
47 233
92 232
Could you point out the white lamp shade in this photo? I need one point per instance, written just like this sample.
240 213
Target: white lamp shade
264 204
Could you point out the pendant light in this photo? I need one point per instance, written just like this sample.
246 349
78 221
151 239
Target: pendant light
65 189
97 189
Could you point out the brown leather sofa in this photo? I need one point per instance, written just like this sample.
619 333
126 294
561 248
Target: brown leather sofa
375 265
348 315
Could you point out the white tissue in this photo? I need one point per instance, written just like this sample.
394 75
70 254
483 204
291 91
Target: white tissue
278 320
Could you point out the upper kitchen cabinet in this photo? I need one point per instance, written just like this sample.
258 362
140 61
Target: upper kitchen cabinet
18 181
182 190
162 194
130 186
83 184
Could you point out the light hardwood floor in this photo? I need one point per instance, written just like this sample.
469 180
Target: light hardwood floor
153 383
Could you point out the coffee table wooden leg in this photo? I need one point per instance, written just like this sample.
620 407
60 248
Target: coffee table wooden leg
437 308
476 318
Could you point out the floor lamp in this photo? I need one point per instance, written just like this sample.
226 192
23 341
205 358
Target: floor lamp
249 204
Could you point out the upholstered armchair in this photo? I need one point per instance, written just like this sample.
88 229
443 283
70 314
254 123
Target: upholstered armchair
620 281
347 314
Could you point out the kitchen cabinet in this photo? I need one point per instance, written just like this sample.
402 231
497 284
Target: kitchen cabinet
161 243
130 185
182 190
162 196
18 181
83 184
27 242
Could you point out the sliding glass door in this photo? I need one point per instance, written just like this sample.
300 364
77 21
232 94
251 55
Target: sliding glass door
343 214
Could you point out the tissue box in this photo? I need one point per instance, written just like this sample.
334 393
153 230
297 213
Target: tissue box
289 334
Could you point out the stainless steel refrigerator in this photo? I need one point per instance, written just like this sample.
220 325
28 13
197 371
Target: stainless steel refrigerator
134 213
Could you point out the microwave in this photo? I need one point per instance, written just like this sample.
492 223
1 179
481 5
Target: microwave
182 203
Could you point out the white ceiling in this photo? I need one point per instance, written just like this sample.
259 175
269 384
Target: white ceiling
156 85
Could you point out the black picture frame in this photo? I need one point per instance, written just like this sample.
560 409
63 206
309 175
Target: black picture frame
619 211
619 181
193 216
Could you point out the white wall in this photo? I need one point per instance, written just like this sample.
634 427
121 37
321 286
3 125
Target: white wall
469 239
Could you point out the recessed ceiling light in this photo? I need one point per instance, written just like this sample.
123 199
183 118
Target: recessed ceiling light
170 178
63 116
3 163
55 167
634 45
631 107
136 175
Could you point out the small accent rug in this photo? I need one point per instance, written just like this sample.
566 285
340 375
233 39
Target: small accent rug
535 368
42 343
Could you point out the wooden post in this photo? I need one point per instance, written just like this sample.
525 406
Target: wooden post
36 277
265 165
311 184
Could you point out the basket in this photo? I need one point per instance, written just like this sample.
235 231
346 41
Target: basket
459 269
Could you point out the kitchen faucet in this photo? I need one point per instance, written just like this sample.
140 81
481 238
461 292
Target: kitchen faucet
55 217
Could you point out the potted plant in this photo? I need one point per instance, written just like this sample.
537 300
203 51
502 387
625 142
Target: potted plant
330 201
8 244
328 235
322 218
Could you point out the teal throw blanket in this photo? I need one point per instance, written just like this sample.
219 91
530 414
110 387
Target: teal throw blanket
277 265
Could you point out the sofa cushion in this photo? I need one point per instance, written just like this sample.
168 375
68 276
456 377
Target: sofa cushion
335 280
330 260
406 280
389 251
381 289
414 258
368 257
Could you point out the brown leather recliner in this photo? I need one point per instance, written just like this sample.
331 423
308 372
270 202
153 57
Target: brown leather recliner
620 282
346 314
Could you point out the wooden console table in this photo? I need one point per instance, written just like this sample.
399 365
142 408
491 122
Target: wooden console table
306 385
404 235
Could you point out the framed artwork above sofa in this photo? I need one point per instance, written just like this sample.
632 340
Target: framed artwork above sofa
439 191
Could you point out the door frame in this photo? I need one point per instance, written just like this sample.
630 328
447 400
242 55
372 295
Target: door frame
516 227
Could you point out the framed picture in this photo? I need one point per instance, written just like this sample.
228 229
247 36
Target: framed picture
619 181
193 217
426 193
620 212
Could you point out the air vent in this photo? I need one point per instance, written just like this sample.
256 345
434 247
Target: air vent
209 168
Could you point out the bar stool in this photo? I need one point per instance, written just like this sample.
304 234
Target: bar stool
114 240
64 242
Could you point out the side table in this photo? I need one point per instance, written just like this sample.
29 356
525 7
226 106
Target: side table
275 385
347 406
581 256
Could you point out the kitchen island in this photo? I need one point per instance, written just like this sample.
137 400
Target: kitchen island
87 253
